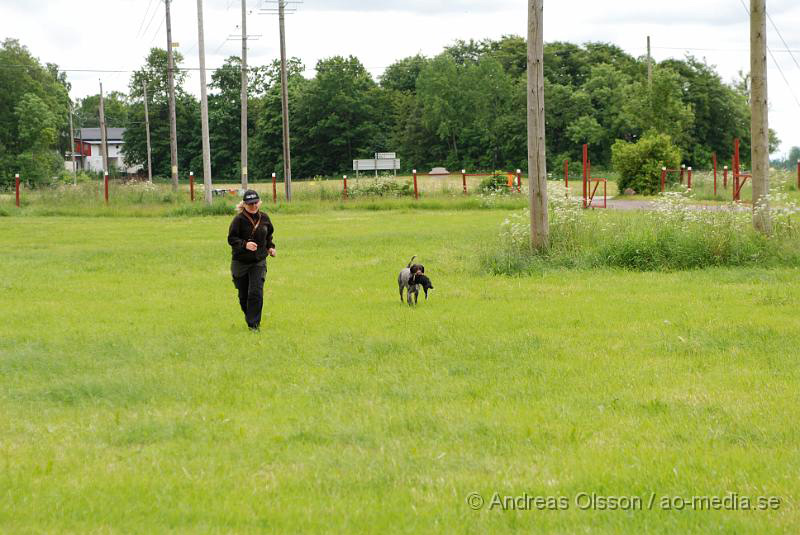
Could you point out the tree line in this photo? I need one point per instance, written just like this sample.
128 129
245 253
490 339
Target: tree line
464 108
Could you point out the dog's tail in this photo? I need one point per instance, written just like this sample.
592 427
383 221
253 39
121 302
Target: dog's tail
411 261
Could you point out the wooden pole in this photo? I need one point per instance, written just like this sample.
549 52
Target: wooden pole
649 64
72 149
147 134
287 153
173 129
537 165
103 138
244 94
759 122
204 105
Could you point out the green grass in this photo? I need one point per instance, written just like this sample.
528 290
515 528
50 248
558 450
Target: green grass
132 399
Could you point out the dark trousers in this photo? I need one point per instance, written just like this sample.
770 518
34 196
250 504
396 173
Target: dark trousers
251 292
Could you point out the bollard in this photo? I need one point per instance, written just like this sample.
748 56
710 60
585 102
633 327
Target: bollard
105 186
725 177
566 173
416 191
191 186
345 186
274 188
16 186
519 180
464 180
663 179
689 179
683 171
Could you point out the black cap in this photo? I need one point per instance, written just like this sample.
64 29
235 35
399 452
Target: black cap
250 197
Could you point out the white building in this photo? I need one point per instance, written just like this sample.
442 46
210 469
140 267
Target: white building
89 154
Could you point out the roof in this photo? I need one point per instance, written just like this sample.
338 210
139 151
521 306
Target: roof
93 134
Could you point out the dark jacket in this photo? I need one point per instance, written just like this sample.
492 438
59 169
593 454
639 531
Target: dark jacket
241 231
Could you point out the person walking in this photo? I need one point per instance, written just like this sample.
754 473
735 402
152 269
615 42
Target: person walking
250 238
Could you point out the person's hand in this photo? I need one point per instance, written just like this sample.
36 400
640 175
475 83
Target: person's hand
251 246
271 251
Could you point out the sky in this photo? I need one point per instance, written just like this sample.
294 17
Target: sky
116 35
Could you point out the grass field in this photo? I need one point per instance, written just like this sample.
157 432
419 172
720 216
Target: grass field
133 399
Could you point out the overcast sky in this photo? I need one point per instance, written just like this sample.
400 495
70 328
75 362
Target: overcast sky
117 34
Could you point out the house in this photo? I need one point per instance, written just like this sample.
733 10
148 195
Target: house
89 154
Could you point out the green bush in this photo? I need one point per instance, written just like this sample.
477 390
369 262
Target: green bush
639 164
380 187
497 183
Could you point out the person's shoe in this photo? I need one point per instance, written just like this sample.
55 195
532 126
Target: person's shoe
255 329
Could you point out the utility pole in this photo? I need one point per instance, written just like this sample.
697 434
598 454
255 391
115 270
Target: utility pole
287 157
103 134
72 148
759 122
649 64
204 104
173 129
147 133
244 94
537 165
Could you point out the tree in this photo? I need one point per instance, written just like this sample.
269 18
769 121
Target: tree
42 91
187 112
116 108
402 75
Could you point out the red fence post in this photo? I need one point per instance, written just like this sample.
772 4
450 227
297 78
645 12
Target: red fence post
464 180
566 173
663 179
416 190
725 177
585 172
105 186
274 188
736 169
191 186
689 179
714 159
683 171
519 180
16 186
345 186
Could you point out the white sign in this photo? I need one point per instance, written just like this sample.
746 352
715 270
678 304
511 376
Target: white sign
376 165
385 155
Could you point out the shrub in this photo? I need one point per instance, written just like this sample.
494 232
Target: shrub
497 183
639 164
380 187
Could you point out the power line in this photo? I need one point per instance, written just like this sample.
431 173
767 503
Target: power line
737 50
144 18
778 65
782 39
155 14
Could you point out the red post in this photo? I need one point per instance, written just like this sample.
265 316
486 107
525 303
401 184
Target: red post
16 186
566 173
725 177
519 180
105 186
585 172
345 186
736 169
191 186
663 179
714 159
464 180
683 171
416 190
689 179
274 188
